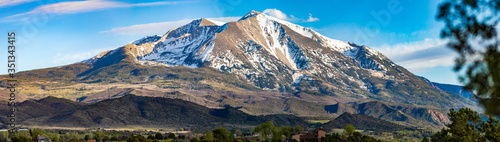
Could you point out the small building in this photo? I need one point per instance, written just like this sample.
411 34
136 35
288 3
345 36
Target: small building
318 133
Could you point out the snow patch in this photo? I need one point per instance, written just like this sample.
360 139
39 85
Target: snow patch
248 15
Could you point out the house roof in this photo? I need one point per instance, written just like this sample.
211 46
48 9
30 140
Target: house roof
319 129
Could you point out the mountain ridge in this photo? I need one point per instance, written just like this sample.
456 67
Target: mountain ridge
452 88
136 110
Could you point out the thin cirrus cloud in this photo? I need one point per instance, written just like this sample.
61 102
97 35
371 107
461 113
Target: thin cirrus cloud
147 29
420 56
161 27
281 15
72 7
7 3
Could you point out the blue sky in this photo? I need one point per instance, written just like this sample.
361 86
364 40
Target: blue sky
60 32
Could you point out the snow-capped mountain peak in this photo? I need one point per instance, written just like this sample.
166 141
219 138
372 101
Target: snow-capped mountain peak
271 54
257 47
341 46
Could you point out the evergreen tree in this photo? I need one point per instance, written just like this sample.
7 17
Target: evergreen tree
277 134
298 129
238 132
99 136
159 136
349 129
467 125
172 136
220 134
208 136
471 28
425 139
265 129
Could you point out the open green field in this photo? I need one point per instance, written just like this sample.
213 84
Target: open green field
318 121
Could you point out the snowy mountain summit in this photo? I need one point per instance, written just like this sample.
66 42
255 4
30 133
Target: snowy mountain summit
272 54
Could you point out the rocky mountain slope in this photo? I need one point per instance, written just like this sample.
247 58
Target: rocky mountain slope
408 115
364 122
258 64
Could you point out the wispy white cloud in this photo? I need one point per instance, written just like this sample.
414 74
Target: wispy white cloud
70 58
6 3
220 20
72 7
276 13
159 28
425 64
281 15
420 55
311 19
